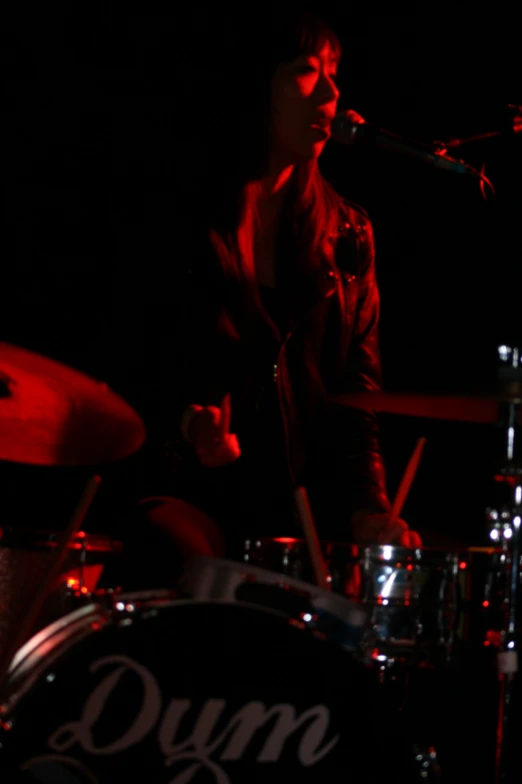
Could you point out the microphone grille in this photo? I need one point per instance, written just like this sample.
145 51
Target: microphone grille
345 126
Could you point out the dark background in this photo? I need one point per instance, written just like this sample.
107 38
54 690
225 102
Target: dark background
106 131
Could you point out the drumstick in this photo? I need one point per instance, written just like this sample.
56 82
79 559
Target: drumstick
312 540
406 482
57 557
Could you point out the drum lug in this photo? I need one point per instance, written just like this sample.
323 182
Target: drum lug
427 764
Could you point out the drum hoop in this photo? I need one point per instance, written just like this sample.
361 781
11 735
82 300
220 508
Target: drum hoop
75 621
358 550
66 621
29 665
39 539
204 577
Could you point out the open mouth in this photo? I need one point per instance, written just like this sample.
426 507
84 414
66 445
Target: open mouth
322 122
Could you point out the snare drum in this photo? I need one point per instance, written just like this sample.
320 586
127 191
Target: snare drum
24 563
239 682
421 604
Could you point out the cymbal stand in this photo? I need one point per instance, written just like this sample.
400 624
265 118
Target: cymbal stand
505 528
56 560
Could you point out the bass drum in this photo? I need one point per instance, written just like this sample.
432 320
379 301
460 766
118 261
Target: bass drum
195 691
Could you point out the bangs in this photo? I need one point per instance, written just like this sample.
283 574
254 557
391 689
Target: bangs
312 34
281 38
260 43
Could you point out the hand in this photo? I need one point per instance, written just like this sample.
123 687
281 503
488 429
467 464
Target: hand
208 432
371 528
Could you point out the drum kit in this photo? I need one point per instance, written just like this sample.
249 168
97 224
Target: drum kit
251 670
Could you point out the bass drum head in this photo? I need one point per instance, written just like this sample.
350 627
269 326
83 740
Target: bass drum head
191 692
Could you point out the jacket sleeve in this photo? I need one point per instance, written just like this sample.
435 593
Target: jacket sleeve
360 456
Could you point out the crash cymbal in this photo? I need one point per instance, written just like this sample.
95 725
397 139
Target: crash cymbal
451 407
51 414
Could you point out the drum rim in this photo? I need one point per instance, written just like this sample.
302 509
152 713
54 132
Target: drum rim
359 550
348 611
46 539
29 665
58 638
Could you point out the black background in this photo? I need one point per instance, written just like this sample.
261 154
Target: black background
106 130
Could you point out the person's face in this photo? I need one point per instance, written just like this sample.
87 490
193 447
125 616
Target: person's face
304 102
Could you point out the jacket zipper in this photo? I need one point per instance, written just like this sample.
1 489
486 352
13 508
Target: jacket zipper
276 377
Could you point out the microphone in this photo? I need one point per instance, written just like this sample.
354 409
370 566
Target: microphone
350 128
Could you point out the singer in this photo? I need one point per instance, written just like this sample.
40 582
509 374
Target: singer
279 310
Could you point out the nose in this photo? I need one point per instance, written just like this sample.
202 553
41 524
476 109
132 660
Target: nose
328 90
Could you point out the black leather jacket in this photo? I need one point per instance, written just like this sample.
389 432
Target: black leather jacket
332 347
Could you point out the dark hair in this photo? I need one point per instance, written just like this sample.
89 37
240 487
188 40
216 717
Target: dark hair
245 53
248 54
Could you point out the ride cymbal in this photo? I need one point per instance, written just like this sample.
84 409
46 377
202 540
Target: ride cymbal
460 408
53 415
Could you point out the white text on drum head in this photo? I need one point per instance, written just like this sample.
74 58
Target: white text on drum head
196 749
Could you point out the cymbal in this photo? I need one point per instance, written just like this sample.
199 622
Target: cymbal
53 415
451 407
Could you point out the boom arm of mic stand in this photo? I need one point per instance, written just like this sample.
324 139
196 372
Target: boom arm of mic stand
437 157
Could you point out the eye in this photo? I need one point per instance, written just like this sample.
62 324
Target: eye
307 68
